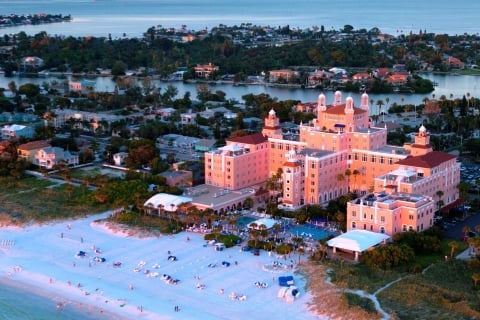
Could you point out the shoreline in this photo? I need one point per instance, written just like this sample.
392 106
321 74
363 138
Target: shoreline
61 303
48 272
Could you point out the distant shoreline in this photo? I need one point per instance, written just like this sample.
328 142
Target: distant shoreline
14 20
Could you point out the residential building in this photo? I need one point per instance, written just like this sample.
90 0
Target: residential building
455 63
361 77
205 70
317 77
31 63
119 158
397 79
28 150
50 156
188 118
284 76
88 121
15 131
178 178
204 145
83 86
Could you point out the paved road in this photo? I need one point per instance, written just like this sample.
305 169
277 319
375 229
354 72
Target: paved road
456 231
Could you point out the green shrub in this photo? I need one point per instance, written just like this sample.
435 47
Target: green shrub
362 302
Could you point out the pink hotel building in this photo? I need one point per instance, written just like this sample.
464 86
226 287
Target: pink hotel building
400 187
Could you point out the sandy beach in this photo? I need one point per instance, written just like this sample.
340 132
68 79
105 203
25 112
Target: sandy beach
139 279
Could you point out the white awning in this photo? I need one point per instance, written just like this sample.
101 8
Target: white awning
169 202
357 240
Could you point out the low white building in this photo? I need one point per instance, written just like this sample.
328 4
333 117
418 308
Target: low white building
165 202
119 158
357 241
16 131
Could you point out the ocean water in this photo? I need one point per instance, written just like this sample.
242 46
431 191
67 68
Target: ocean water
16 304
121 18
132 18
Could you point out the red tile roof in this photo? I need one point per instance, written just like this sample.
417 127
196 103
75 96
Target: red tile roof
340 109
39 144
292 164
255 138
429 160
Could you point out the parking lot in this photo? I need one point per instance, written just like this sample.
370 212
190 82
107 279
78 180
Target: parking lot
470 173
454 227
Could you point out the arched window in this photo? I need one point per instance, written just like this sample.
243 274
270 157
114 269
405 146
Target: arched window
382 229
354 225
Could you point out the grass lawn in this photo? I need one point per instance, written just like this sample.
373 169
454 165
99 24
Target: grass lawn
468 72
39 200
444 290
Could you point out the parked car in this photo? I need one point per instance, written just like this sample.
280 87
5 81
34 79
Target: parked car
470 234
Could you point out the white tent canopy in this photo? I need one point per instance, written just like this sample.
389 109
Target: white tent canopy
357 240
169 202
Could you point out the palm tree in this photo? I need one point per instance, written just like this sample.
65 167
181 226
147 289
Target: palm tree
301 252
440 201
453 246
380 103
69 190
355 173
348 173
149 209
475 243
160 209
340 178
254 232
466 230
477 229
475 278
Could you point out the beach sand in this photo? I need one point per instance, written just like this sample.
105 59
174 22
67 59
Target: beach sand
42 259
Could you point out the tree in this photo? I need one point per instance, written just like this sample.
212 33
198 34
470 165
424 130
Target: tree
12 86
466 230
439 194
340 178
254 232
475 278
475 243
355 173
380 103
348 173
453 246
119 68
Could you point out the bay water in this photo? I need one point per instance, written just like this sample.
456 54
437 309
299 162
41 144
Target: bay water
123 18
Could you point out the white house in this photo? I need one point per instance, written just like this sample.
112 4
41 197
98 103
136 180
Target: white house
119 158
16 131
51 156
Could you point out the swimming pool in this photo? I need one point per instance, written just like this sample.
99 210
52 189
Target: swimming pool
306 231
243 221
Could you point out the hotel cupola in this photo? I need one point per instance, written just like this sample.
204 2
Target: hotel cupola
342 116
272 128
